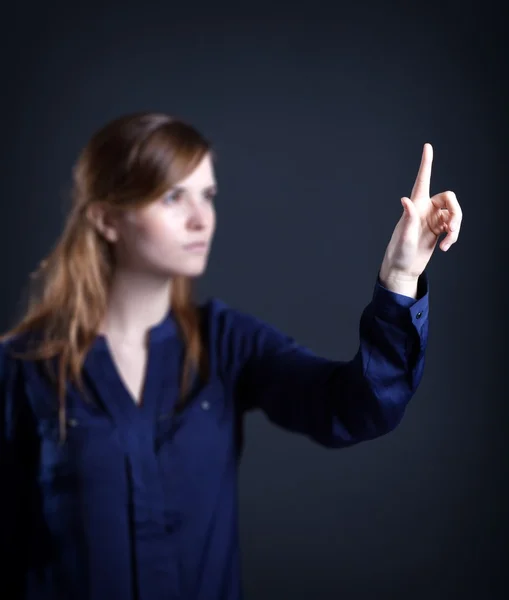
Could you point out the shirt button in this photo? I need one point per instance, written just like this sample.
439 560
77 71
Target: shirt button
418 315
205 404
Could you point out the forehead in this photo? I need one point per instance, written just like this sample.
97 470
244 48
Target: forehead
202 176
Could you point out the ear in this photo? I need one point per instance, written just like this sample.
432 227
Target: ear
104 220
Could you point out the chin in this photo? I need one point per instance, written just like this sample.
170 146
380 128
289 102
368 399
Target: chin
191 270
193 267
193 273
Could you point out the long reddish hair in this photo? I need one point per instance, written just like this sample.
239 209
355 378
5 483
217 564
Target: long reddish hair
127 164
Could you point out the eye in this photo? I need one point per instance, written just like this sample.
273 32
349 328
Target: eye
173 196
210 195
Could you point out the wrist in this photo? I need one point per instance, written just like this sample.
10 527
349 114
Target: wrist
399 283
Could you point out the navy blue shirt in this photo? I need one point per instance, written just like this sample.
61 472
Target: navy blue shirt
140 502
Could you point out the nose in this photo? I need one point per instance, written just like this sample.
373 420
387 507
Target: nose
197 216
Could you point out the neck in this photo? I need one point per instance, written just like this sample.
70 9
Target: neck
137 302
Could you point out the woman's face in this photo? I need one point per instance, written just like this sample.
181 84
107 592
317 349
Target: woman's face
172 235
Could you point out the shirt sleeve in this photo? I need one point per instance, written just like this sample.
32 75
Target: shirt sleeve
336 403
15 508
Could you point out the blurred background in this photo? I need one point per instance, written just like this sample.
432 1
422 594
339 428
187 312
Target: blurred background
318 113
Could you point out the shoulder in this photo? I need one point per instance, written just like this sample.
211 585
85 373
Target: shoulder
13 344
6 346
230 329
222 319
11 363
7 360
8 376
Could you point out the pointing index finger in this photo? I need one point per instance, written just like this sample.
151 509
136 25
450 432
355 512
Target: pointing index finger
422 181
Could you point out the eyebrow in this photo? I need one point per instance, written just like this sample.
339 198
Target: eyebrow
208 188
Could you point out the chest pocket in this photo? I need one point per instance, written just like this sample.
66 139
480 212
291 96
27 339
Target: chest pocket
81 472
83 454
89 457
201 433
195 449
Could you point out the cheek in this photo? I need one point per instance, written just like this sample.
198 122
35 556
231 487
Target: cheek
150 238
157 230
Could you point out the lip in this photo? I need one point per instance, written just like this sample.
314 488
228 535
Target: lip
196 247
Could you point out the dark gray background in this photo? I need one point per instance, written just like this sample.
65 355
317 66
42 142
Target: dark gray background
318 115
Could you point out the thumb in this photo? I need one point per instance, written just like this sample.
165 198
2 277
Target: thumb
408 207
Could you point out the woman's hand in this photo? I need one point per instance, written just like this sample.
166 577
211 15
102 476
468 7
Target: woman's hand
416 234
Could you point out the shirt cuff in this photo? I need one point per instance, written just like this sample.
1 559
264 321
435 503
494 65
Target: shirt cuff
400 309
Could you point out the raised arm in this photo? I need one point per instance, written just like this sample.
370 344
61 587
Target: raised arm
336 403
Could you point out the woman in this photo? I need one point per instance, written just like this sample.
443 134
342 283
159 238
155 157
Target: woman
122 400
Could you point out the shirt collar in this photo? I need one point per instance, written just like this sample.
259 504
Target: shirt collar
165 329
